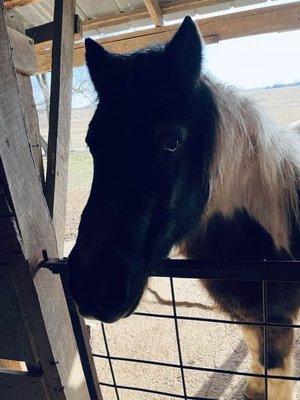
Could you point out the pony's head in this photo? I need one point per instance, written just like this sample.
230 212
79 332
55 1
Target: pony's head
151 139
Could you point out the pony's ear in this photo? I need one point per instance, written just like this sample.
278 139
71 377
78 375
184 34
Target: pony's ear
184 53
97 61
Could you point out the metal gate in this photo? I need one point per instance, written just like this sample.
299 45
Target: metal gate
246 271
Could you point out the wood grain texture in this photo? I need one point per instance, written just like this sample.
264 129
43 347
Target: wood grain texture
43 35
60 116
187 5
155 12
84 346
49 327
23 52
41 296
142 13
22 178
105 21
31 122
11 365
263 20
10 4
14 22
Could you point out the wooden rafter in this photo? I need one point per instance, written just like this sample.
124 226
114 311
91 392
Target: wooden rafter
263 20
155 12
42 35
142 13
186 5
115 19
10 4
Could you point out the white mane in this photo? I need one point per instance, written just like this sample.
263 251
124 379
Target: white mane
256 166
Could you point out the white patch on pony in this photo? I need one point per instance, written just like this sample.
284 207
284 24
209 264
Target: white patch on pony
277 389
282 389
256 166
255 386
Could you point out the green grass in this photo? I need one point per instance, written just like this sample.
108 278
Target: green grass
80 170
79 183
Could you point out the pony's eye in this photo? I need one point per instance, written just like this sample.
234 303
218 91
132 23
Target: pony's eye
172 145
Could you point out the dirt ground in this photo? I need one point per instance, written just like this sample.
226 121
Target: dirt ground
153 338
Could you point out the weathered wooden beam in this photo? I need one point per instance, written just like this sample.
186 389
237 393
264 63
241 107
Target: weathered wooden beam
25 63
10 4
30 206
14 22
142 13
23 52
60 116
83 342
31 121
263 20
40 294
114 19
42 35
186 5
10 365
155 12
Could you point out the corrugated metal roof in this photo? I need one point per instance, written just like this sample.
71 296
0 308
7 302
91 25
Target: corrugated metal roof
35 14
42 12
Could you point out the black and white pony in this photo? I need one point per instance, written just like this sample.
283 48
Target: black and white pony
183 162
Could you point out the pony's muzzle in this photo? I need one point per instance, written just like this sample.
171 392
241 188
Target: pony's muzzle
106 287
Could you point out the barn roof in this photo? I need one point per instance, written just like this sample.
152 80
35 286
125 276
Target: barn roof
124 25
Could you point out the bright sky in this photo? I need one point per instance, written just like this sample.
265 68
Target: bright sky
256 61
249 62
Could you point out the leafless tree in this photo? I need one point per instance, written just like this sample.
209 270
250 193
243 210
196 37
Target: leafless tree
43 83
84 88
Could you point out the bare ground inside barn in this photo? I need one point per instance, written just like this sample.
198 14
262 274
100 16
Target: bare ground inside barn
152 338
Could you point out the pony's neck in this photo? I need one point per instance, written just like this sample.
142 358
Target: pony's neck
256 167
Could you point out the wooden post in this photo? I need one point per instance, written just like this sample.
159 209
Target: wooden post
155 11
60 116
25 64
25 230
63 31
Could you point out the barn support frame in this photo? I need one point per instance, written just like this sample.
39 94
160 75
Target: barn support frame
60 116
39 355
26 293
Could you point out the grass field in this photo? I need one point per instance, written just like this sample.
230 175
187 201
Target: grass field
203 344
80 178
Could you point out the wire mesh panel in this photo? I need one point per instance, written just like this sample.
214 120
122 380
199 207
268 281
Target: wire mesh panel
170 374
